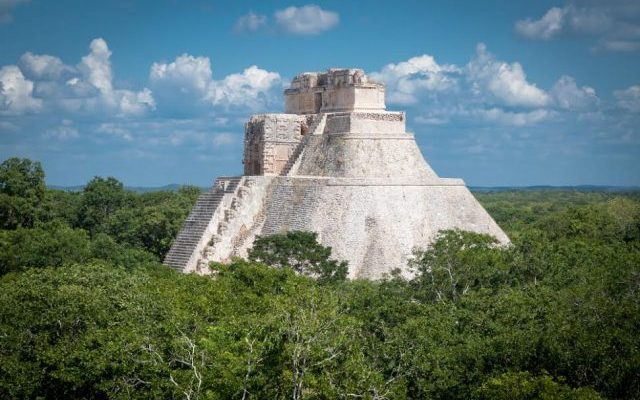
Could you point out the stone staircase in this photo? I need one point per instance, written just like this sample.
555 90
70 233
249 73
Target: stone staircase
196 223
237 223
316 128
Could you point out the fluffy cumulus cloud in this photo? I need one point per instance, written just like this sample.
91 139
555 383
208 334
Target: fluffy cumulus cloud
187 74
253 87
629 99
250 22
83 102
504 83
16 92
95 70
41 82
43 67
615 24
567 95
306 20
192 78
484 90
406 79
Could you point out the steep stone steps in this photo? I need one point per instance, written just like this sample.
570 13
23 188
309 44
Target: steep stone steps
196 223
316 128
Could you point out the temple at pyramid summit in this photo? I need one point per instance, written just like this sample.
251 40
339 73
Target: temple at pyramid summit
338 164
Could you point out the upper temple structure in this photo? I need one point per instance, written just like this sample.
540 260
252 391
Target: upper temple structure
338 164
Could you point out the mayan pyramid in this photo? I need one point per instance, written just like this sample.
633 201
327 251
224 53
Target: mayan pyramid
336 163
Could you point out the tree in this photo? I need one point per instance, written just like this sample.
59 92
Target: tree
524 386
301 252
153 222
100 199
22 189
457 262
47 245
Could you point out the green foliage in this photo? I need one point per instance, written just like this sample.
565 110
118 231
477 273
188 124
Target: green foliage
22 188
45 227
60 205
48 245
86 310
521 385
100 199
301 252
458 262
153 222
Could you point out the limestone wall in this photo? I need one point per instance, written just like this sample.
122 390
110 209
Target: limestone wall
334 91
374 226
304 102
379 123
365 156
243 220
270 139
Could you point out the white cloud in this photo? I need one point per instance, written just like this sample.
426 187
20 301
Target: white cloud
251 88
569 96
223 139
629 98
187 74
96 70
546 27
486 90
116 130
192 77
502 117
16 92
96 66
65 131
7 7
136 103
405 79
87 87
43 66
430 120
615 24
250 22
619 45
306 20
506 83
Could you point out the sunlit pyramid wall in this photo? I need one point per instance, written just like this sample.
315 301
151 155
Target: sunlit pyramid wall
338 164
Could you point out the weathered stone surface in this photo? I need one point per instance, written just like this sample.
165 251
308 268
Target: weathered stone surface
340 166
333 91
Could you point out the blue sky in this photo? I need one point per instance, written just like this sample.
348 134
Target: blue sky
156 92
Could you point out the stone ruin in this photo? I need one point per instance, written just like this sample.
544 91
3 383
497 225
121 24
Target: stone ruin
338 164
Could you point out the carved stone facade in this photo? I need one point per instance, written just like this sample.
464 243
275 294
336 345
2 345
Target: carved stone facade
270 140
338 164
333 91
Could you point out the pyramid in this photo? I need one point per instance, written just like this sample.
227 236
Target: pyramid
338 164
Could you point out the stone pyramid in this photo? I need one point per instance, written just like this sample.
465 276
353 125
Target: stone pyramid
336 163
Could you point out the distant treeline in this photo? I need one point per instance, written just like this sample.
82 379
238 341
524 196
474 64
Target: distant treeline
88 311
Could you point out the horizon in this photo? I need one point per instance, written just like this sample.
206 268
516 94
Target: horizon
498 94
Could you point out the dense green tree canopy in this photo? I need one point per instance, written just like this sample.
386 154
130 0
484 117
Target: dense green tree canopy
301 252
22 188
87 310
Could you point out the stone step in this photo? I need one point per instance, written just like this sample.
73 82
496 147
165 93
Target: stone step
196 223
